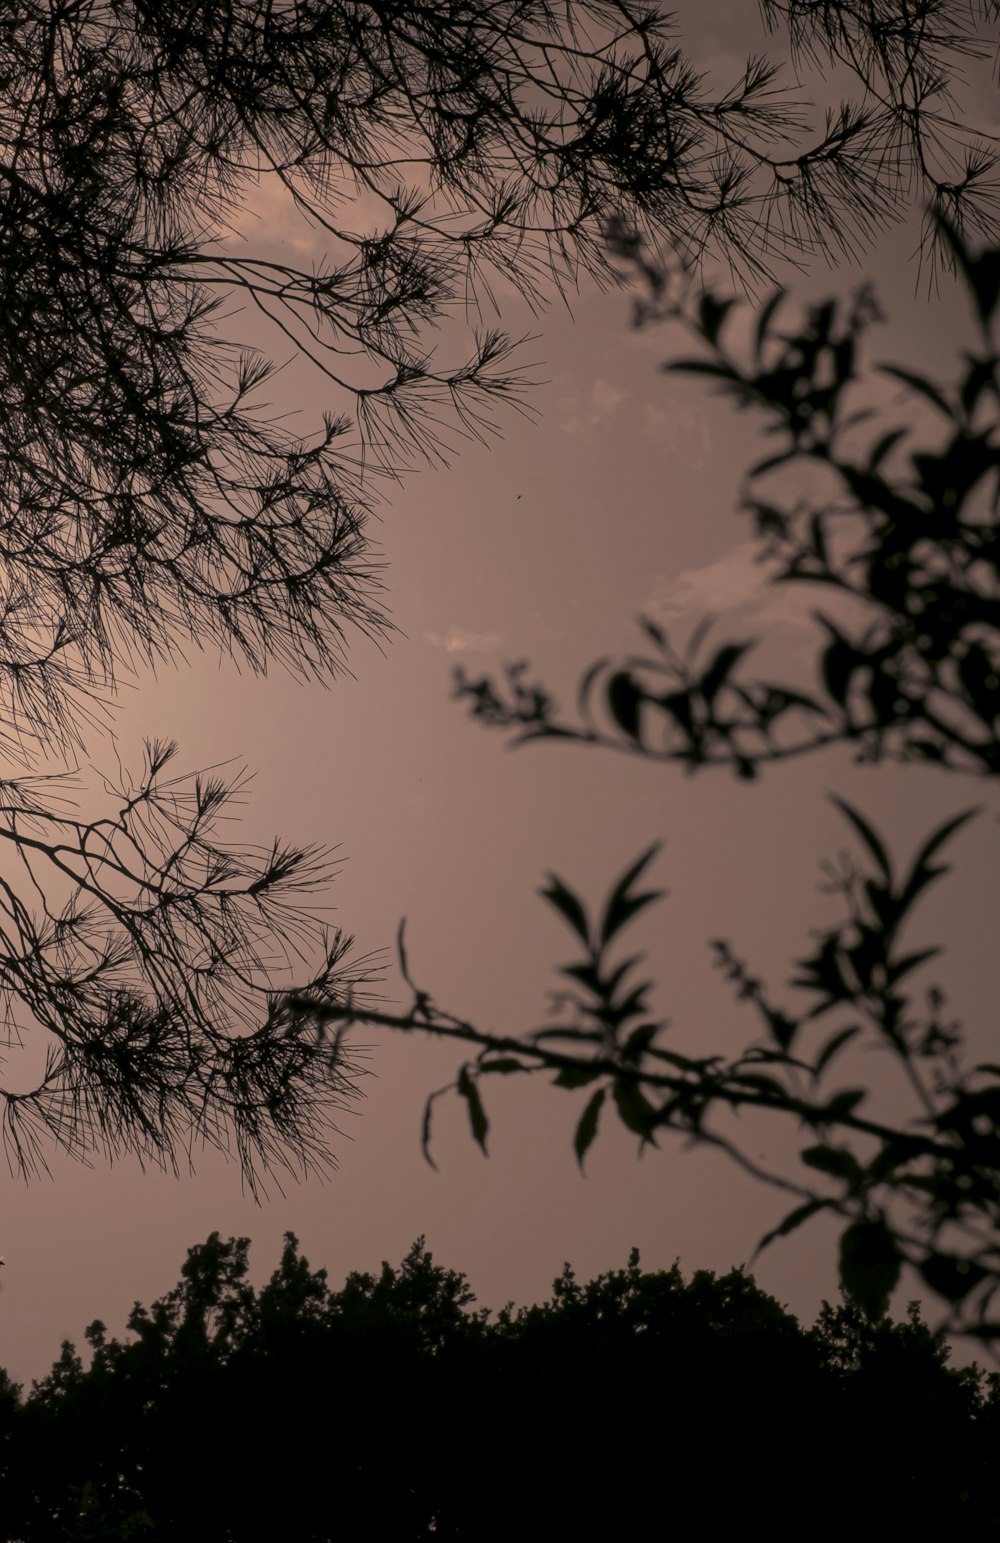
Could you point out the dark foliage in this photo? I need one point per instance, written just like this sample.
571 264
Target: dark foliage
150 503
909 531
390 1408
901 518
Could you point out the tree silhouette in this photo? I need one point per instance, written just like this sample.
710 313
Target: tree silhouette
910 531
149 502
392 1403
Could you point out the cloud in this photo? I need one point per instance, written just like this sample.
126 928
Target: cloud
733 582
584 410
681 430
736 585
457 641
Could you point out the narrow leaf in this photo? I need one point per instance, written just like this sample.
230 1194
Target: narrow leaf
833 1046
842 1105
425 1133
614 914
625 701
764 321
941 835
478 1122
711 315
576 1076
503 1065
622 909
926 388
836 1161
794 1219
568 905
586 686
867 834
720 668
653 630
586 1130
639 1041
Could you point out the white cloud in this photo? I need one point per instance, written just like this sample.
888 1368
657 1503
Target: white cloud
733 582
737 586
583 410
458 641
681 430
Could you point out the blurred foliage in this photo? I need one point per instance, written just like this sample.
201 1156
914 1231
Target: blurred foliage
900 517
393 1408
151 500
909 531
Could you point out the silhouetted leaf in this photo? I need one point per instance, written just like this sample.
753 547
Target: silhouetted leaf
980 378
587 974
586 1130
568 905
618 915
793 1220
839 663
478 1122
823 973
613 978
653 630
700 367
720 669
833 1045
635 1111
783 697
678 705
764 317
868 835
425 1132
621 906
922 874
982 273
769 1086
951 1276
625 701
882 447
639 1041
920 384
836 1161
587 685
870 1263
978 675
711 315
842 1105
897 1152
576 1076
783 1028
908 962
772 462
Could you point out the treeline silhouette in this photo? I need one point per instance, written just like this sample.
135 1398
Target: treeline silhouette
635 1405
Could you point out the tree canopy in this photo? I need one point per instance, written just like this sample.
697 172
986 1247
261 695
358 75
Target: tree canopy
901 517
393 1405
150 503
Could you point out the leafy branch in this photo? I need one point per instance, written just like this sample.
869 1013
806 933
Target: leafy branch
905 532
924 1191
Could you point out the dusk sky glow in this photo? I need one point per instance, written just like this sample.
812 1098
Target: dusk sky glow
618 499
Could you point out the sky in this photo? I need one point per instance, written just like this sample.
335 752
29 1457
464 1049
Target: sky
620 499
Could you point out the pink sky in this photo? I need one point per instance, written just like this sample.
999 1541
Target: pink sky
620 500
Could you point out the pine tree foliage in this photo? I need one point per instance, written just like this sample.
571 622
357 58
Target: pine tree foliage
442 155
